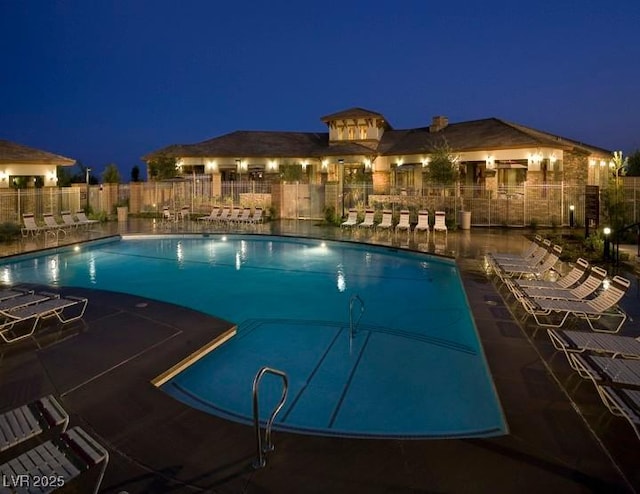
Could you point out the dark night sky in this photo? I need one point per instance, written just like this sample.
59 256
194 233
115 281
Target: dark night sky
106 82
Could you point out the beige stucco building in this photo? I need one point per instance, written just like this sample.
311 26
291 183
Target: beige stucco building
29 167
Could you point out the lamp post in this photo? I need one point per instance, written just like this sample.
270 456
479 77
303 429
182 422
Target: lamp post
571 215
607 243
87 177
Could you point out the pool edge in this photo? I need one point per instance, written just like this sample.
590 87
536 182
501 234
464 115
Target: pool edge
183 364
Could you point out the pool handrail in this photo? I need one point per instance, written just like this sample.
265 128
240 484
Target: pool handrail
261 460
352 326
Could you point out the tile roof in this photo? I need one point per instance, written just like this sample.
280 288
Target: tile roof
11 152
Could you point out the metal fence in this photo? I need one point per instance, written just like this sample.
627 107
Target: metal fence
519 206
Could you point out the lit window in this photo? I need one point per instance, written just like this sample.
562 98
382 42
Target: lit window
363 132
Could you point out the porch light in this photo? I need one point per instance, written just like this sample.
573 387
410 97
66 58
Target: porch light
425 162
400 161
3 176
325 164
304 164
367 164
212 165
273 165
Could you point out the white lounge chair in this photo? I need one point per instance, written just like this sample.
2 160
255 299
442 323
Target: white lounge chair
13 292
537 257
235 214
352 219
387 221
61 460
403 223
439 224
601 307
257 216
368 221
224 215
583 290
607 370
65 309
532 270
423 223
52 225
244 217
30 227
613 345
524 256
19 425
67 219
213 215
622 402
23 300
82 218
567 281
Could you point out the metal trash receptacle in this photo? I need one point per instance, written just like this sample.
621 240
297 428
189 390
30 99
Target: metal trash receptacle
465 220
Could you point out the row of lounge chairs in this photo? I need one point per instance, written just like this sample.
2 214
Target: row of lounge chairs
610 360
51 225
22 310
36 444
236 215
387 222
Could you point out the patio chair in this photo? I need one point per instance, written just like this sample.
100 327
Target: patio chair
30 226
234 215
244 217
19 425
387 221
23 300
590 285
403 223
67 219
524 256
224 215
533 270
185 213
352 219
423 223
568 280
439 224
368 221
595 309
52 225
622 402
540 253
257 216
12 292
82 218
60 460
613 345
607 370
65 309
213 215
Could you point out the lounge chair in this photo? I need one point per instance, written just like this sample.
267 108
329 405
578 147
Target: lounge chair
30 226
12 292
622 402
423 223
224 215
590 285
602 306
533 270
403 223
387 221
59 460
24 300
244 217
82 218
65 309
19 425
607 370
257 216
570 341
524 256
52 225
352 219
538 255
213 215
439 224
235 214
185 213
368 221
67 219
567 281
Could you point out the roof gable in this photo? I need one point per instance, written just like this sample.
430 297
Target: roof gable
12 152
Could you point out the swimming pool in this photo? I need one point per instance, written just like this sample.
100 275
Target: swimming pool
413 368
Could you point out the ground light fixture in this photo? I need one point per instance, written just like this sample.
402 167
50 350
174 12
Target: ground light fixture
607 243
572 209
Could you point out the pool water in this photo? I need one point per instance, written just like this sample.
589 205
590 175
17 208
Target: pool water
413 367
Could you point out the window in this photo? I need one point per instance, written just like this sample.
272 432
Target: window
363 132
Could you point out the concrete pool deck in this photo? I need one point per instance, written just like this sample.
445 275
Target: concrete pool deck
561 437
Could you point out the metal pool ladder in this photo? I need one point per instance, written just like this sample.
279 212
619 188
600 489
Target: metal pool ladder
261 460
353 326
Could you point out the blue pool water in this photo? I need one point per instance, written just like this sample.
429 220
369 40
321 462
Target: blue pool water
414 367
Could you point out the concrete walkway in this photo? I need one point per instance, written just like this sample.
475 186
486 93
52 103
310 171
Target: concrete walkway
561 439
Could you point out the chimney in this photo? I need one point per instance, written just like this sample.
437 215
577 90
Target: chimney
438 123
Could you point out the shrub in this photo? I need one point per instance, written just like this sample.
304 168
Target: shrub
9 231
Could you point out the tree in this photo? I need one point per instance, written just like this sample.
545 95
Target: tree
442 169
162 167
111 174
633 164
135 173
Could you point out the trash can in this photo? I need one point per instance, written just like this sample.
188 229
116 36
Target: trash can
123 213
465 220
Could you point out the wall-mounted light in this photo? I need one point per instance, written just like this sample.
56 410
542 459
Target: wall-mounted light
400 161
367 164
212 165
490 162
3 176
592 162
325 164
341 161
535 158
552 158
272 165
425 161
304 164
